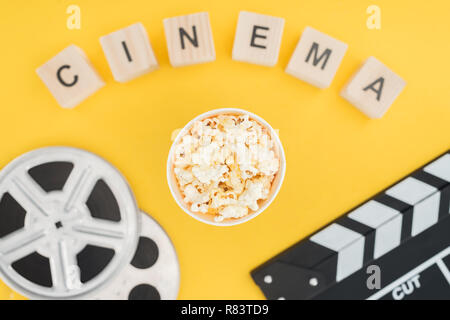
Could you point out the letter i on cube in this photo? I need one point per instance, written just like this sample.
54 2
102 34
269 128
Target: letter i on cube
129 52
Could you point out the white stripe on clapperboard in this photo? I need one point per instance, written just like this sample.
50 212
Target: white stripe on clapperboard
387 222
437 259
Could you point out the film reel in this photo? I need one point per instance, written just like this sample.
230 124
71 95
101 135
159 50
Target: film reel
153 273
68 223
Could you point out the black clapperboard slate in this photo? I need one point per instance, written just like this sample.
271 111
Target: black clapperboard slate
404 231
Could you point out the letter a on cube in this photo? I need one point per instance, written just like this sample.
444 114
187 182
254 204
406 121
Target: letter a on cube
70 77
129 52
373 88
189 39
316 58
258 38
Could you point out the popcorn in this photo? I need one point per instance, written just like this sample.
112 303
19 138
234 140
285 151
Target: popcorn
225 166
206 174
232 212
254 191
184 176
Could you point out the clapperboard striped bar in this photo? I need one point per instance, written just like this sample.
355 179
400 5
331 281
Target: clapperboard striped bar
402 227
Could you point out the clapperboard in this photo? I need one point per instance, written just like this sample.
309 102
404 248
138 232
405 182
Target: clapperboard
404 231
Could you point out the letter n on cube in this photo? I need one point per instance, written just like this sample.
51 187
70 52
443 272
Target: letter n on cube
189 39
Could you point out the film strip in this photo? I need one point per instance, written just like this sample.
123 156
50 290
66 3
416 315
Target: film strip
403 230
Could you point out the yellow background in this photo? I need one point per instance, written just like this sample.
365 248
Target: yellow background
336 157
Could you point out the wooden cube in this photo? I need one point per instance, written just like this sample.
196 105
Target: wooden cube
316 58
189 39
258 38
70 77
129 53
373 88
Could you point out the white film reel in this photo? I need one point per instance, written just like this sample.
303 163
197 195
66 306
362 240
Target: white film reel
69 223
153 273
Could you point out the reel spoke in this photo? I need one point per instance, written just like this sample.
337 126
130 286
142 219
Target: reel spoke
103 233
23 191
20 244
78 186
65 272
